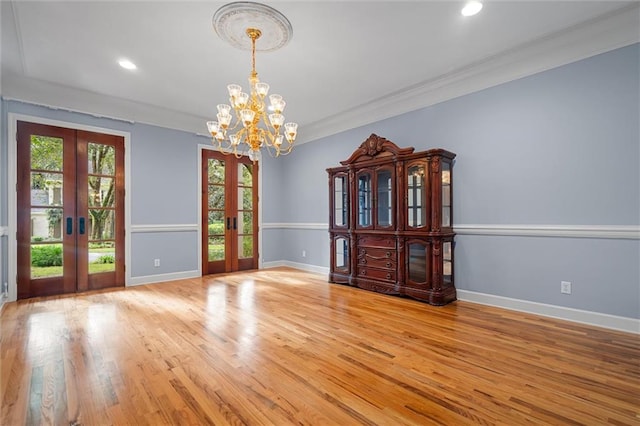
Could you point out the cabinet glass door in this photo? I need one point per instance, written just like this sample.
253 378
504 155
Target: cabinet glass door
340 200
364 200
342 254
416 197
384 199
418 263
447 264
446 194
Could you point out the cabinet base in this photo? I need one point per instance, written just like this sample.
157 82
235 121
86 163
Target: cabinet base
339 278
438 297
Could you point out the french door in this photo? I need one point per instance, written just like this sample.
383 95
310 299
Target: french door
229 213
70 218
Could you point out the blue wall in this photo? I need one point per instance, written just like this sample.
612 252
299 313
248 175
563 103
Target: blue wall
163 184
557 148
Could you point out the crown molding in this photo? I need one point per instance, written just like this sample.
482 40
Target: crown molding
59 97
608 32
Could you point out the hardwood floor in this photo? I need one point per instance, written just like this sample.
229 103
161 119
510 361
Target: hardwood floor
281 346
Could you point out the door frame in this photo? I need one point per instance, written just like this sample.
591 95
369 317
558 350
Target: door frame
12 201
201 148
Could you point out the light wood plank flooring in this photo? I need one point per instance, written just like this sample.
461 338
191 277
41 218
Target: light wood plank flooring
285 347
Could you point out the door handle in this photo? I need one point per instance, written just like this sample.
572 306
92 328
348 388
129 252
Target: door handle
81 226
69 226
235 223
228 223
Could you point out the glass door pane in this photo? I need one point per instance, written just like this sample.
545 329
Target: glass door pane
340 200
416 197
446 194
216 202
101 230
46 206
384 208
447 263
364 200
342 254
245 212
418 262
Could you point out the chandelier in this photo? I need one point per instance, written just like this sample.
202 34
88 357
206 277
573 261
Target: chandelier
256 125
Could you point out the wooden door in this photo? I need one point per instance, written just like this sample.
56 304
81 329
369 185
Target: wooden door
70 198
229 213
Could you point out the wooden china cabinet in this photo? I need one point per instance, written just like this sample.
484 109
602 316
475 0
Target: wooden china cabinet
391 221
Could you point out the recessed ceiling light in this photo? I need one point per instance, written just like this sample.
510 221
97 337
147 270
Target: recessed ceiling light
127 64
471 8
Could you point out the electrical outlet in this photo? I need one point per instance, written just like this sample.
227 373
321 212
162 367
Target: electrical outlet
156 262
565 287
304 253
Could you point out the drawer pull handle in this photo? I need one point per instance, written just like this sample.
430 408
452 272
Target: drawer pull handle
388 264
388 254
388 276
363 272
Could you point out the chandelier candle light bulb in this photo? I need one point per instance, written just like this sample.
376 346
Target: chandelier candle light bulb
258 128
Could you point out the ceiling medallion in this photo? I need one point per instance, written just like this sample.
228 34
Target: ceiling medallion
232 20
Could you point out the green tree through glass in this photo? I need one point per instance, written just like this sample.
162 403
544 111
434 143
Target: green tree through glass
101 162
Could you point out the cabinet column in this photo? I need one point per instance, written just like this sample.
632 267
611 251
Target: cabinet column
436 194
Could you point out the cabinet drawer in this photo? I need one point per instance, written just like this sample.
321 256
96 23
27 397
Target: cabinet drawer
377 241
379 258
379 274
377 263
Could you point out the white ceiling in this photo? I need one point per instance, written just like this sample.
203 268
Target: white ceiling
348 63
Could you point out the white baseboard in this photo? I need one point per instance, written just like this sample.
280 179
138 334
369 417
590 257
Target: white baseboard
630 325
3 303
302 266
152 279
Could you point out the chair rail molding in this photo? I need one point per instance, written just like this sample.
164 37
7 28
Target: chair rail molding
296 225
188 227
631 232
628 232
